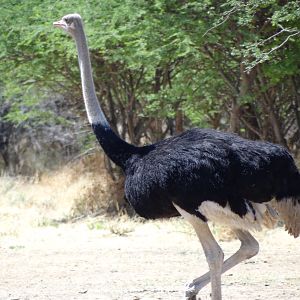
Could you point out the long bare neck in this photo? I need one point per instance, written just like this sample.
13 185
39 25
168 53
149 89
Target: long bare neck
117 149
93 109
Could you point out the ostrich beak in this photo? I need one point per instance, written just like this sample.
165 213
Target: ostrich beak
60 24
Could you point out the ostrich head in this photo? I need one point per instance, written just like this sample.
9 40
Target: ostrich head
70 23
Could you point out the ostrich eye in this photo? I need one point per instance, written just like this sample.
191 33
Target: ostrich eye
68 21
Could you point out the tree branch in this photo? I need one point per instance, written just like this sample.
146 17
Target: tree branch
225 17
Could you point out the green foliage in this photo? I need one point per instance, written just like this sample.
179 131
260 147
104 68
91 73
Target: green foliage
166 55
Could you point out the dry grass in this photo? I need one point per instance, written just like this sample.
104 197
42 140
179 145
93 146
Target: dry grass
74 191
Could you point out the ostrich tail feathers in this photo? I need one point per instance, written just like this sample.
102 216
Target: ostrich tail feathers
289 212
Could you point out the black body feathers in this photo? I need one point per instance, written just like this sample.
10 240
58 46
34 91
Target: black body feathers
200 165
203 164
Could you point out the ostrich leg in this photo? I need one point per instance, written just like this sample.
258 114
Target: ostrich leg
213 252
249 248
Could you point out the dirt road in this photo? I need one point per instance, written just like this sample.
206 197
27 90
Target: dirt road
153 261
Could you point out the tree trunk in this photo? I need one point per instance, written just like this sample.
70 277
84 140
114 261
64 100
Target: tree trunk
296 104
268 104
234 116
245 82
179 121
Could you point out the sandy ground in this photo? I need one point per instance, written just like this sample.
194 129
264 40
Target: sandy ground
151 261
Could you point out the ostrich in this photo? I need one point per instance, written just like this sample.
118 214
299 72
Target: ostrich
202 174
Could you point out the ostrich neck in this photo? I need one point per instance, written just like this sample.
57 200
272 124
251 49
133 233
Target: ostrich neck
116 149
93 109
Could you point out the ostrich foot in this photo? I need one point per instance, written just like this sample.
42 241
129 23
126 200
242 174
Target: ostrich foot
190 292
191 298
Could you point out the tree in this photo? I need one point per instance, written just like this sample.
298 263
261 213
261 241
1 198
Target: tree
161 66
